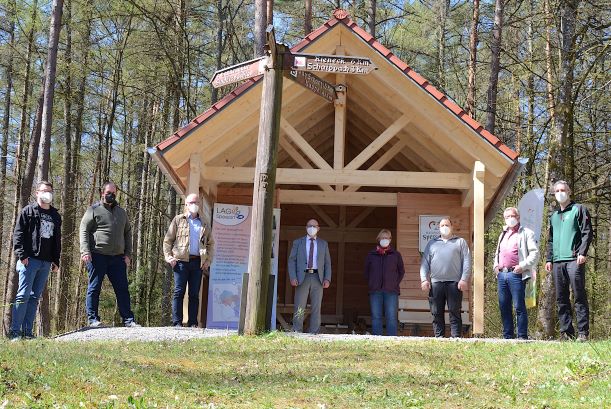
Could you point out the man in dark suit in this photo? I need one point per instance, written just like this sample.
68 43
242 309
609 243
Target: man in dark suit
310 272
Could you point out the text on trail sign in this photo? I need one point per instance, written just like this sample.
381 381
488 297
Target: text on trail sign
331 63
239 72
313 83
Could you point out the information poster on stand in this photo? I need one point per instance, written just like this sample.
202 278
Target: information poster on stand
231 232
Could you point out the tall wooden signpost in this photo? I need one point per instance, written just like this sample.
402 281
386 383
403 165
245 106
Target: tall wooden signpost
297 67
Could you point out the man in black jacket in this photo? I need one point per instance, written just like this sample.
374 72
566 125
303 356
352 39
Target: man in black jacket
37 245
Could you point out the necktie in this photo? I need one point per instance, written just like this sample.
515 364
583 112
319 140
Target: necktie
311 254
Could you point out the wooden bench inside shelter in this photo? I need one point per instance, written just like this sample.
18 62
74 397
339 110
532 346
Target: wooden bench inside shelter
415 317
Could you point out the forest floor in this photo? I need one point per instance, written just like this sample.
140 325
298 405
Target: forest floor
222 370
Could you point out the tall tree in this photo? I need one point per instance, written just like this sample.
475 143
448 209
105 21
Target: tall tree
443 9
307 21
372 6
11 16
50 70
473 41
495 64
560 163
260 24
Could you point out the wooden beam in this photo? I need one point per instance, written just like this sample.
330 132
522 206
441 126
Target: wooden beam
363 215
382 160
324 216
292 176
339 140
194 173
302 144
341 253
380 141
375 199
300 160
479 207
467 198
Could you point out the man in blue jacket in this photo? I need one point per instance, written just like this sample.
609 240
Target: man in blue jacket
310 272
37 245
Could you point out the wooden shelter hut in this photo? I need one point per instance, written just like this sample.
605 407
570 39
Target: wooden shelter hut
389 149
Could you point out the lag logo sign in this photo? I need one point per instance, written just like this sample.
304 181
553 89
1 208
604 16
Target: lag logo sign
231 215
429 229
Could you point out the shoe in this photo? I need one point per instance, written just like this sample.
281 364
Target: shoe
566 337
177 326
522 338
29 336
582 337
95 323
14 336
194 326
132 324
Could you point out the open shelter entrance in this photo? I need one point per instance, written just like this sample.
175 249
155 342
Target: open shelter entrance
389 149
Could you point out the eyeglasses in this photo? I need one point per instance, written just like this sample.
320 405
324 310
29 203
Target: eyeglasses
45 191
312 225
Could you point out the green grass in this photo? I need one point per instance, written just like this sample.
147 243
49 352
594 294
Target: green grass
276 371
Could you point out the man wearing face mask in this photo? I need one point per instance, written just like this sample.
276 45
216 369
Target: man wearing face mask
570 235
37 245
384 271
188 247
444 272
106 248
516 255
309 268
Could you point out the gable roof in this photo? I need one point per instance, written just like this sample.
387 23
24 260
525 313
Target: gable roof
342 17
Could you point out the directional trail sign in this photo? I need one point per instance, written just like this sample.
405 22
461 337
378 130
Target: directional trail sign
337 64
239 72
313 83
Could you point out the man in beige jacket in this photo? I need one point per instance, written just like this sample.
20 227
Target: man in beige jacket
188 247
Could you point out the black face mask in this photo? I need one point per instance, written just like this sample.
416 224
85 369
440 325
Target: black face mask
110 198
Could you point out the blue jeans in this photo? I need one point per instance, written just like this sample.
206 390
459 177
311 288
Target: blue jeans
511 295
384 303
116 269
186 272
32 281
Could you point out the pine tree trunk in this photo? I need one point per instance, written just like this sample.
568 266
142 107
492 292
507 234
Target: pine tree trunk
473 41
443 9
495 64
259 32
11 16
372 6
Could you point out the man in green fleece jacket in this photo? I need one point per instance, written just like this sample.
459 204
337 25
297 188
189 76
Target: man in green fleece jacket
570 235
106 248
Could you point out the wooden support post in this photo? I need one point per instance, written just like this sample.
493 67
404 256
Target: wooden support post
341 254
259 260
479 172
340 119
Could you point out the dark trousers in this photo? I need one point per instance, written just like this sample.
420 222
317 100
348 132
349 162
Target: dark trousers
570 274
442 292
116 270
186 272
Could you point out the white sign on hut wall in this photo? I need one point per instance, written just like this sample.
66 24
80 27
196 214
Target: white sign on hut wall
428 229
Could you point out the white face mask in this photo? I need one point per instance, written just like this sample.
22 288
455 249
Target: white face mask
384 243
561 197
445 230
193 208
46 197
312 231
511 221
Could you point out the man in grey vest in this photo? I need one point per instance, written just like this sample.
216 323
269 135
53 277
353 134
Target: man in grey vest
310 272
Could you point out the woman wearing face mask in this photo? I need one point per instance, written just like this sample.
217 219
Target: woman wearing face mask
516 254
384 271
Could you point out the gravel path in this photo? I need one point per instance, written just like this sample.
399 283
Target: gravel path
155 334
